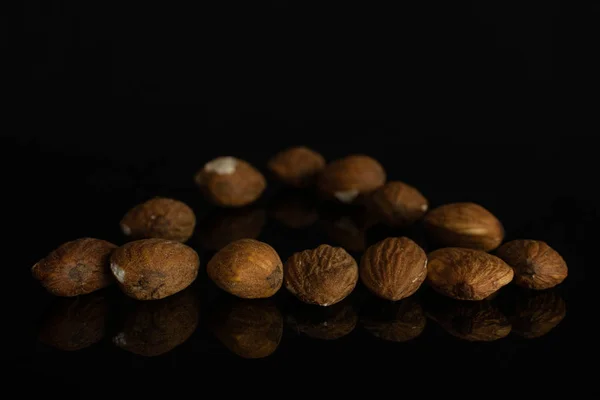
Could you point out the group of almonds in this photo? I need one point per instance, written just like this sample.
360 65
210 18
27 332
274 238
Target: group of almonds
157 263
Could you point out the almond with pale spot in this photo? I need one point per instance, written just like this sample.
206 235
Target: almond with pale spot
348 180
230 182
152 269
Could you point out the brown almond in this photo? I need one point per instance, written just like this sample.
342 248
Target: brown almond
297 166
398 204
76 267
466 274
161 218
152 269
466 225
230 182
393 268
323 276
351 178
247 268
536 265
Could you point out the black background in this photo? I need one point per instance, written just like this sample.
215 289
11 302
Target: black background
468 102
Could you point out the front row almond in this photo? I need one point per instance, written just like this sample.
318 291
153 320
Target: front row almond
323 276
151 269
247 268
466 274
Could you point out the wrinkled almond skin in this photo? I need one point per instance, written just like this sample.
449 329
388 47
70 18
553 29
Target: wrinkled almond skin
396 322
75 323
152 269
350 179
393 268
247 268
250 329
323 276
160 218
76 267
296 166
398 204
152 328
467 225
538 314
475 322
466 274
327 323
536 265
230 182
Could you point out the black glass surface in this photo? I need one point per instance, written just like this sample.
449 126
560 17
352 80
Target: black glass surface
464 102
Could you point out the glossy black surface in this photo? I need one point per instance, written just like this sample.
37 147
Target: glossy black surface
126 103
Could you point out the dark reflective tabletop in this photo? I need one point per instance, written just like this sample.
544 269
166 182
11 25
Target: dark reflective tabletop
204 331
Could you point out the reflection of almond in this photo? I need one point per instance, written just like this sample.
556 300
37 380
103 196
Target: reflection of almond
466 274
397 322
479 321
328 323
466 225
75 268
224 226
152 328
536 265
538 314
75 323
248 328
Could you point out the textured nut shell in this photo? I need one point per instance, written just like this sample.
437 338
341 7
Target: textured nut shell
398 204
466 225
297 166
397 322
360 173
161 218
322 276
75 268
476 322
466 274
536 265
337 323
75 323
393 268
247 268
157 327
539 314
242 187
154 268
250 329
